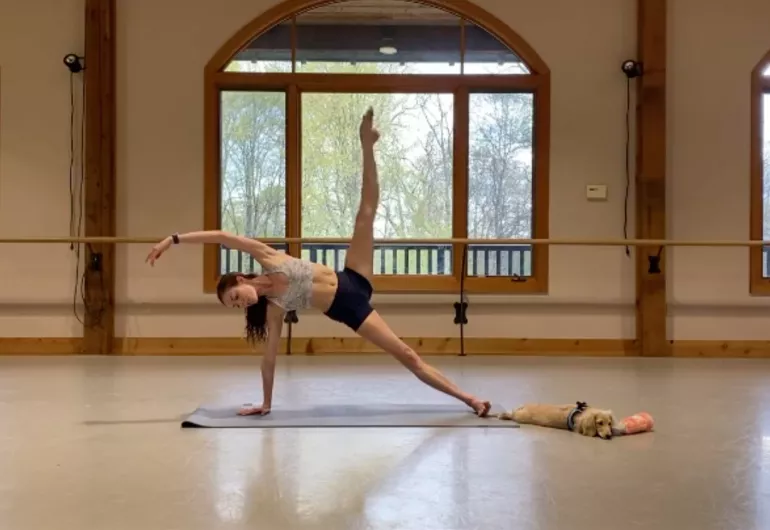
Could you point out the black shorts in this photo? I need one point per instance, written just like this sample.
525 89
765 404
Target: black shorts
351 302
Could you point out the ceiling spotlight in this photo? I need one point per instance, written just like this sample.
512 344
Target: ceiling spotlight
388 50
73 63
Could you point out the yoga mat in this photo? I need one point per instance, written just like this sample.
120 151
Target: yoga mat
348 416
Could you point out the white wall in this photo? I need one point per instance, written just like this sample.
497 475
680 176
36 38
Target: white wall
37 281
713 47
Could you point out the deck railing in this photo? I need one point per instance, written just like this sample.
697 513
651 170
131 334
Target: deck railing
405 259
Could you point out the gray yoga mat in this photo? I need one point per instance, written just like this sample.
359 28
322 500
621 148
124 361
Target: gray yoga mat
348 416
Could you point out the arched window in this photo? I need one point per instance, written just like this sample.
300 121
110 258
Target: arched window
463 105
760 175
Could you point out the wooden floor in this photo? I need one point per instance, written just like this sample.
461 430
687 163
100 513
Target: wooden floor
95 443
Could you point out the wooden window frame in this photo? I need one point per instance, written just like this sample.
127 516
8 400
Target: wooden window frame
760 86
294 84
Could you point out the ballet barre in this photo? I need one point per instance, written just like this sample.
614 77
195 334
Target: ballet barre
415 241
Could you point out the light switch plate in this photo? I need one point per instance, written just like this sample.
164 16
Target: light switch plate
596 192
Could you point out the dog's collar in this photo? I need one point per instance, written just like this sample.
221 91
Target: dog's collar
581 406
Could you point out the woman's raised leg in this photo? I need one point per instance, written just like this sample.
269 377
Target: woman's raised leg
377 331
361 251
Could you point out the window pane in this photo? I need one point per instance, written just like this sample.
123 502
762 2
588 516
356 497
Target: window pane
484 54
269 52
386 37
766 181
414 157
253 147
500 183
766 73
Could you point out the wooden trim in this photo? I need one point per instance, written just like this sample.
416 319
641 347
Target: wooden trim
100 173
760 85
464 9
293 45
541 188
385 283
212 160
357 346
451 284
374 83
215 346
294 168
651 315
42 346
729 349
463 46
535 284
460 174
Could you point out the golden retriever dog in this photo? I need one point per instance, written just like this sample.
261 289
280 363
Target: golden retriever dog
579 418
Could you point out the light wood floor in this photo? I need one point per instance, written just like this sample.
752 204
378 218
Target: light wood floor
95 443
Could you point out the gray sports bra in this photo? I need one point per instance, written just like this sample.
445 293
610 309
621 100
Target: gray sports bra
300 288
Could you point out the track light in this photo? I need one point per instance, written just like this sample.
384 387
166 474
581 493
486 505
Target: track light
73 63
632 68
387 41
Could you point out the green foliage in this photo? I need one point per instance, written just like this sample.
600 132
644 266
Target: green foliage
500 175
414 155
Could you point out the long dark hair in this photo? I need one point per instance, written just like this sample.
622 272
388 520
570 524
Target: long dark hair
256 314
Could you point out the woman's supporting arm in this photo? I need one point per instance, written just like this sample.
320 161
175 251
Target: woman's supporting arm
274 327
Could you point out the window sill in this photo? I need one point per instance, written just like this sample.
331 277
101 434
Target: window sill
441 285
760 287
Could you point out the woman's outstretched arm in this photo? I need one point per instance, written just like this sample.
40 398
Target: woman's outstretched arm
259 250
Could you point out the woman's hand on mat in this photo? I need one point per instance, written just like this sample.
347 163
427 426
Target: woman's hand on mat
250 410
481 408
158 250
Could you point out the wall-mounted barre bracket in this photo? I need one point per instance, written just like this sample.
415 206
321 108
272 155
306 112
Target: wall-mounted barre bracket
460 312
654 267
291 317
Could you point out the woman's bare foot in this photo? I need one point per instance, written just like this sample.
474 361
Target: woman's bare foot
250 410
481 408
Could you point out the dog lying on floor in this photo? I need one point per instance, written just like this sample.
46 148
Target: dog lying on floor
579 418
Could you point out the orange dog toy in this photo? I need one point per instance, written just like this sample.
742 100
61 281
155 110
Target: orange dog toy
640 422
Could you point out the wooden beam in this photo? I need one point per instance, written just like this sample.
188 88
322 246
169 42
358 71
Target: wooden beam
99 282
294 168
760 85
651 177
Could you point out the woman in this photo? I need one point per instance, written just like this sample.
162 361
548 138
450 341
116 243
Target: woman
290 284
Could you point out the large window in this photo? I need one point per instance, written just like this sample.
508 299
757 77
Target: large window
760 177
415 174
464 120
253 174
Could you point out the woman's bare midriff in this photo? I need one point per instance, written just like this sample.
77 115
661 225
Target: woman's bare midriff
324 287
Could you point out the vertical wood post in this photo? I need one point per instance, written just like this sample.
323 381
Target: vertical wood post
651 306
100 103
